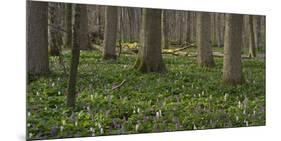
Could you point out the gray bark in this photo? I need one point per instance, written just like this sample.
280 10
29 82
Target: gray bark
110 33
232 66
150 57
37 37
205 55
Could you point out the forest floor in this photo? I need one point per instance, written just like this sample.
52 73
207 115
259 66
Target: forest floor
187 97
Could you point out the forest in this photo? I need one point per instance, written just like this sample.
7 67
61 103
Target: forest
95 70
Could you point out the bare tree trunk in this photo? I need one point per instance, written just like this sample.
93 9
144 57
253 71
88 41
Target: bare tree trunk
257 30
252 46
74 58
110 33
37 37
188 27
150 57
84 40
165 43
69 25
218 29
232 66
205 55
55 36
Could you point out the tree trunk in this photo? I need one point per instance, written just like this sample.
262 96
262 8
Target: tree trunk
150 57
84 40
37 37
257 30
218 29
232 66
55 36
69 25
165 43
74 58
205 55
110 33
252 46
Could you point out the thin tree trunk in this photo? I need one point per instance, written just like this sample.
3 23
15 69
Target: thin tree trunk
55 36
84 40
69 25
218 29
110 33
165 43
74 58
205 55
37 37
150 57
232 66
252 46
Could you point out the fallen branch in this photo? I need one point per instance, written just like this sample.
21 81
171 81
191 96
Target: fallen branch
118 86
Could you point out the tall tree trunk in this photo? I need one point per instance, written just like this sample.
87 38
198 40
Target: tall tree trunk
252 46
69 25
232 66
188 27
74 58
205 55
218 29
165 43
55 36
110 33
149 56
37 37
257 30
84 40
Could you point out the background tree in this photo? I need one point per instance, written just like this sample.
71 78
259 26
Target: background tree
149 55
110 33
55 34
74 58
84 41
164 30
232 66
205 55
252 43
37 37
68 25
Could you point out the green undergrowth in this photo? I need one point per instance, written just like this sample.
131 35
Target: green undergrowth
187 97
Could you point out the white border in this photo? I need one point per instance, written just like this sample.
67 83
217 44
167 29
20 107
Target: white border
12 75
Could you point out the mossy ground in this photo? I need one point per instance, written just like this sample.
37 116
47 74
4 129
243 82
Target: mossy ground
187 97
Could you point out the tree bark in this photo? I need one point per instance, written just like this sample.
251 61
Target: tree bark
68 25
150 57
165 43
232 66
218 29
37 37
252 45
110 33
55 36
74 58
84 40
205 55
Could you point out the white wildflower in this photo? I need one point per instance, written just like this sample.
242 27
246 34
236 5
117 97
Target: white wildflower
194 127
157 115
61 128
137 127
237 118
101 130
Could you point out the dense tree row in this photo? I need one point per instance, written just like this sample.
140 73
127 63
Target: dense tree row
80 27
